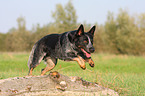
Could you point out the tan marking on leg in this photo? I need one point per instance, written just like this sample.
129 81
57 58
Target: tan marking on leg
40 59
91 62
30 73
50 65
80 61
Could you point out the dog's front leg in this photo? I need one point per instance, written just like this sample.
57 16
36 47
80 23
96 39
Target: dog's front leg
91 62
81 62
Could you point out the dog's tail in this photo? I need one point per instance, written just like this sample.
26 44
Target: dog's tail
31 55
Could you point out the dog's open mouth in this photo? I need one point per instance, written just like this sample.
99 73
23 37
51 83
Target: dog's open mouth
88 55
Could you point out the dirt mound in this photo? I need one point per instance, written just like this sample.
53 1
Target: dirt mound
52 85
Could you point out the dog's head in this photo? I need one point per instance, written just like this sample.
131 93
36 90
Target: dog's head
83 40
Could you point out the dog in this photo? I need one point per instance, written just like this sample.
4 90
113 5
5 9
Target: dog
74 45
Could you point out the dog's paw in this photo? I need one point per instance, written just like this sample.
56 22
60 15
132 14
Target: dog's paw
92 64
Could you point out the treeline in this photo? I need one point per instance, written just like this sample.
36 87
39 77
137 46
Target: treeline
121 34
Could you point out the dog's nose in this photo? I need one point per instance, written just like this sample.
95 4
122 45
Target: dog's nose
92 49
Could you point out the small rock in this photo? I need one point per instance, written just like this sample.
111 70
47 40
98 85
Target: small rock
28 88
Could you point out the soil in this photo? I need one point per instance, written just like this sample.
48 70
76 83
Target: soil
54 84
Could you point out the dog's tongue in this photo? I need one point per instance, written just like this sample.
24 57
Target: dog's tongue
87 54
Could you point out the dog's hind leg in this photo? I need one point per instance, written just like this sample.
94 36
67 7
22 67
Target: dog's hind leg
51 62
35 62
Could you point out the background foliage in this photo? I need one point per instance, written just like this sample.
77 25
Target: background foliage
121 34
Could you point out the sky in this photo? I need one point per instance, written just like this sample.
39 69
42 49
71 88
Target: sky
40 11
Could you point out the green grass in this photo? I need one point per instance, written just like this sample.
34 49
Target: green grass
124 74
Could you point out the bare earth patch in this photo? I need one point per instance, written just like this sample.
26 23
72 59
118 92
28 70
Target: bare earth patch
54 84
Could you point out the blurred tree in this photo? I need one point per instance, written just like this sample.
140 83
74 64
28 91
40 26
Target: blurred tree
110 32
21 24
18 39
99 38
141 22
126 33
141 33
65 17
12 30
122 34
2 42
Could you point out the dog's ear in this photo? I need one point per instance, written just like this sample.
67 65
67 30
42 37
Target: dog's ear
80 30
92 30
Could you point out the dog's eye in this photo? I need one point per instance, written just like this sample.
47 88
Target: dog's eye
85 41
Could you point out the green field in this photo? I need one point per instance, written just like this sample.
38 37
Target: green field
122 73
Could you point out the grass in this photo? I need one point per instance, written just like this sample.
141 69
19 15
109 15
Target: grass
124 74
